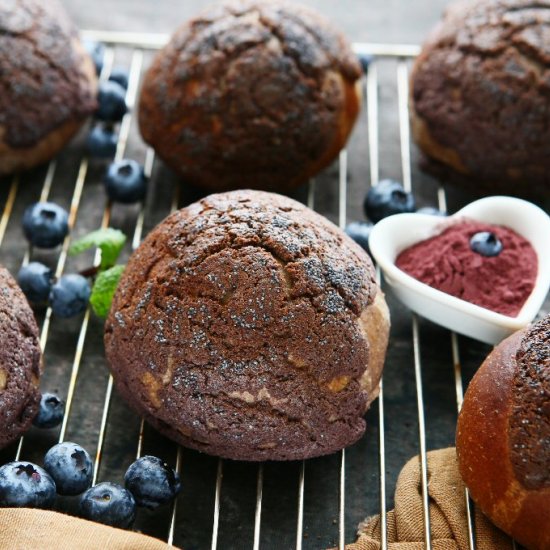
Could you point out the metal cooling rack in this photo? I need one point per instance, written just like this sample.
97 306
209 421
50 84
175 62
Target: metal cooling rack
137 47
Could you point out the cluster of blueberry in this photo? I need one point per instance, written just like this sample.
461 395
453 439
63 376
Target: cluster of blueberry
45 225
125 179
389 197
386 198
68 471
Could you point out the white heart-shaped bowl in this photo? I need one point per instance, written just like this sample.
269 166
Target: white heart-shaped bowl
394 234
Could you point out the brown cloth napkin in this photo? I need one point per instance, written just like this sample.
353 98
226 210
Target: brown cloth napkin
26 529
447 505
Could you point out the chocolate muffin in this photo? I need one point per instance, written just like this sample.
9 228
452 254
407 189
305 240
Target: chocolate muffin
251 94
47 82
249 327
20 363
503 436
480 96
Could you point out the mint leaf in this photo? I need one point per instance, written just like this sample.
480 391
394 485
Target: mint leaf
110 241
104 290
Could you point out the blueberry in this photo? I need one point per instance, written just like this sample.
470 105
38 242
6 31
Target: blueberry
35 280
120 76
23 484
486 244
70 295
108 503
45 224
125 181
152 482
365 60
387 198
101 142
431 211
111 99
50 413
70 466
359 232
96 50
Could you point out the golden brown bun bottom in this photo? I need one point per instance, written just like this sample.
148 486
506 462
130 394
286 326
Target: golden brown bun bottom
486 445
49 83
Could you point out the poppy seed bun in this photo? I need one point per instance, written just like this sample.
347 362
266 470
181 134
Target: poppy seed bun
480 96
47 82
503 436
249 327
251 94
19 361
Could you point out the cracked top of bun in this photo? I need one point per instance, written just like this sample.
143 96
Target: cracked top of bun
240 329
251 93
20 361
46 77
481 87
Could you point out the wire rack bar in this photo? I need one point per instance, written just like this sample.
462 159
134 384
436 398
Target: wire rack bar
8 207
300 522
73 213
148 41
371 89
342 216
172 527
372 122
459 399
342 502
155 41
124 132
258 513
422 435
404 131
217 496
302 475
342 188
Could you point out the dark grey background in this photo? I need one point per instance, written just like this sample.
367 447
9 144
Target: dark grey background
398 21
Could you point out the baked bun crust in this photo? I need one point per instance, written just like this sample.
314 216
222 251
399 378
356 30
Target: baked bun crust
47 80
20 363
249 327
251 94
479 97
503 436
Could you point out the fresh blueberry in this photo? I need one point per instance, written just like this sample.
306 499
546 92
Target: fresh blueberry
360 232
96 50
387 198
120 76
125 181
70 295
23 484
50 413
101 142
45 224
111 99
365 60
35 280
431 211
70 466
152 482
108 503
486 244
